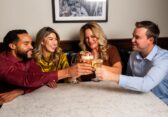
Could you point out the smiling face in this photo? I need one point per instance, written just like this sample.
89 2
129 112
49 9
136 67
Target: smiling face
22 49
49 43
91 40
140 41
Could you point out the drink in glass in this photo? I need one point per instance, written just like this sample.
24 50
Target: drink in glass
96 63
86 57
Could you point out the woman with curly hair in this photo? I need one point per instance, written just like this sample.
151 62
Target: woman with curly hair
93 39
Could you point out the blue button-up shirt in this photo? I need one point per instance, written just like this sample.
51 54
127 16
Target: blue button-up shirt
148 74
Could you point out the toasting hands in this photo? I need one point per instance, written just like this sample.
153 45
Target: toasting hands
80 69
107 73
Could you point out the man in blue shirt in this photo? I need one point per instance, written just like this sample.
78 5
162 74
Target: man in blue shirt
147 66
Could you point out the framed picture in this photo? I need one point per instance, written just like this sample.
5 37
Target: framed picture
79 10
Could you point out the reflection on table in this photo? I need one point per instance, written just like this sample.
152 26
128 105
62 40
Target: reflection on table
86 99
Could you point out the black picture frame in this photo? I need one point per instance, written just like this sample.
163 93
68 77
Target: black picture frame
79 10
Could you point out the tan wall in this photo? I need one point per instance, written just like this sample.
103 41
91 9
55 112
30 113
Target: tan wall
34 14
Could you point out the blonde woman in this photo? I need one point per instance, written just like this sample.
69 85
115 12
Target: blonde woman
93 39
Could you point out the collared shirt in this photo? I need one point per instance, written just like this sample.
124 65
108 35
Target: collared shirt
146 74
23 74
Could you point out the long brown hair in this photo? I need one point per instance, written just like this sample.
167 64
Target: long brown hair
42 33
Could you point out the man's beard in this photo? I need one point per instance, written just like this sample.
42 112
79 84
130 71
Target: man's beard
23 55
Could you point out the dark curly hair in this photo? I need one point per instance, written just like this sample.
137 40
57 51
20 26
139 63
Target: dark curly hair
11 36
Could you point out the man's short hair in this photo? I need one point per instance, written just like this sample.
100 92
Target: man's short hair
152 29
11 36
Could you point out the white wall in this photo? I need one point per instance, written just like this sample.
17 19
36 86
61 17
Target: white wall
35 14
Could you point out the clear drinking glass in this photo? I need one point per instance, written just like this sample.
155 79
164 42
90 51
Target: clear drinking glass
97 63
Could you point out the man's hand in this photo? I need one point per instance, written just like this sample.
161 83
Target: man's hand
105 73
9 96
80 69
52 84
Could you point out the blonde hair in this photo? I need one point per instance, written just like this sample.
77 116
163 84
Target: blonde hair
99 34
42 33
